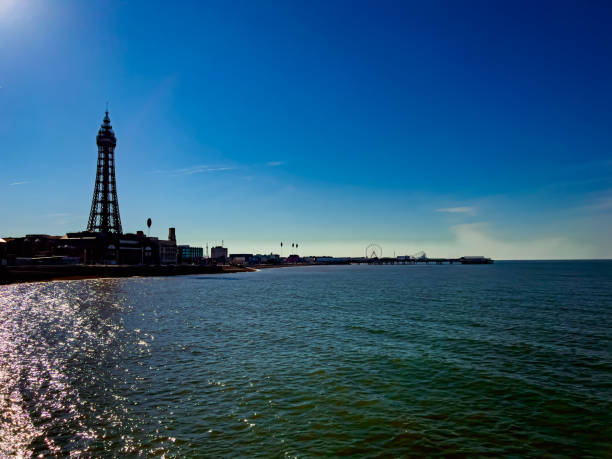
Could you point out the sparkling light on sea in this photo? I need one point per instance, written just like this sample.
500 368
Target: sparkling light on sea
507 359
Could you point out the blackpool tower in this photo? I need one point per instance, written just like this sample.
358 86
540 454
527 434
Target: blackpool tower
104 214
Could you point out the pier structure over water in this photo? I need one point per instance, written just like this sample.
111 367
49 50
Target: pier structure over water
373 256
425 260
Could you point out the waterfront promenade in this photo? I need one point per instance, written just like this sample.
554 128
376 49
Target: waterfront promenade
18 274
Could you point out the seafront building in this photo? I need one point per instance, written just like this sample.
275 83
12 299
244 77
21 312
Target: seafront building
3 252
90 248
218 254
190 255
240 258
271 258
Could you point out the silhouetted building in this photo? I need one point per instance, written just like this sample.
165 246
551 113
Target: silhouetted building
3 252
293 259
188 254
90 248
272 259
240 258
218 253
168 252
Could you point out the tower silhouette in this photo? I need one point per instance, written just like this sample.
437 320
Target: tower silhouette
104 214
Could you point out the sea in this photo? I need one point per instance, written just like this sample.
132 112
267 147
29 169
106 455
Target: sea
509 359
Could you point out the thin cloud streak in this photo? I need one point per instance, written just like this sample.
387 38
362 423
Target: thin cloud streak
58 215
23 182
198 169
275 163
457 210
602 203
475 239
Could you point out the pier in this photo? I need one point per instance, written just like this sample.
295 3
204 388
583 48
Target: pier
425 260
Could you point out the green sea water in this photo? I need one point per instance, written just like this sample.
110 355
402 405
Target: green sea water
513 358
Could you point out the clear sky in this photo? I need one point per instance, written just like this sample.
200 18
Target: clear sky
458 128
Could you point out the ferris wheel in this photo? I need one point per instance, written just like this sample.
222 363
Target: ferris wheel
373 251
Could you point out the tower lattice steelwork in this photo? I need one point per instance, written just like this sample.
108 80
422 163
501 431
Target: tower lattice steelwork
104 214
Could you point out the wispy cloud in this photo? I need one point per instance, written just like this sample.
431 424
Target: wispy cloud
22 182
57 215
457 210
198 169
478 239
275 163
601 203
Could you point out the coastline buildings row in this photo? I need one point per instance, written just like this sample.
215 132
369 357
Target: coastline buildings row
105 243
124 249
130 249
94 247
137 249
246 259
108 249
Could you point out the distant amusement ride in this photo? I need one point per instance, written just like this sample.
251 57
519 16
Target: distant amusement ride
373 251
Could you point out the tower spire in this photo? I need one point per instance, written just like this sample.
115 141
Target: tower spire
104 215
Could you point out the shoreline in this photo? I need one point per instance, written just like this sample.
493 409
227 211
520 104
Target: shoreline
25 274
48 273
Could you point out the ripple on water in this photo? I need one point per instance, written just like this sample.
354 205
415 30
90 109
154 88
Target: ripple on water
509 359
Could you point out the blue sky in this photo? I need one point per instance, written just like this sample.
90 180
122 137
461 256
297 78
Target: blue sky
452 127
